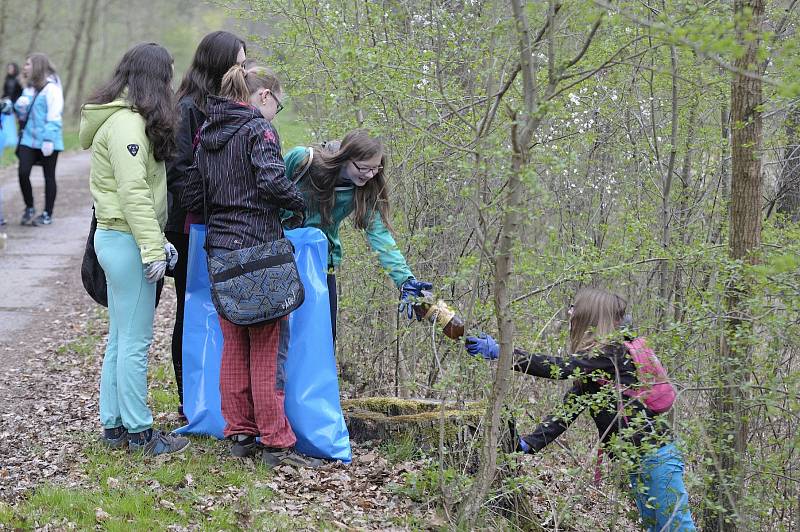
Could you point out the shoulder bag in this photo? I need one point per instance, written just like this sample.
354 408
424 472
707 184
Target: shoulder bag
256 284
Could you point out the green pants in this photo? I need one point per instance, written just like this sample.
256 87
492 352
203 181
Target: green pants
131 306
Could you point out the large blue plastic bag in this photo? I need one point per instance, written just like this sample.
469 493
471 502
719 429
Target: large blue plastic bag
312 385
9 125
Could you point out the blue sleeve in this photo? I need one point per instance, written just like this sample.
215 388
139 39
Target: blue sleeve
391 258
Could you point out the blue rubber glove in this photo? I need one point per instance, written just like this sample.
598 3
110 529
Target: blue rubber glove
524 447
483 345
409 291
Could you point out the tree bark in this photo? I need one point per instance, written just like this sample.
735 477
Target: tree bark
87 53
788 194
3 28
69 69
521 134
729 423
36 28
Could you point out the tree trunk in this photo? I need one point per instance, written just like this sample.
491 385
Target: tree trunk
36 28
3 28
666 213
521 134
69 69
788 194
87 53
730 408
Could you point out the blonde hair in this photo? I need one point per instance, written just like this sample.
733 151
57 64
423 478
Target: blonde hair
242 80
596 315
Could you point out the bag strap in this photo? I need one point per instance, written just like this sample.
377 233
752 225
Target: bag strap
306 166
30 109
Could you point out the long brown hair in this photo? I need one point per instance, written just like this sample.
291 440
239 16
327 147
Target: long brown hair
215 54
240 81
324 172
595 315
41 69
145 71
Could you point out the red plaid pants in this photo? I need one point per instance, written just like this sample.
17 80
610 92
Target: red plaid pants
251 381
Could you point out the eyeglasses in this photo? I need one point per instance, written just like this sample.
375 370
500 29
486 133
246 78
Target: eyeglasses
365 169
279 105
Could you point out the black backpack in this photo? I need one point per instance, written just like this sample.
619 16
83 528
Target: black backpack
92 274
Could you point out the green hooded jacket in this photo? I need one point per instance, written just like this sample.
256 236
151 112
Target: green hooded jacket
129 187
378 235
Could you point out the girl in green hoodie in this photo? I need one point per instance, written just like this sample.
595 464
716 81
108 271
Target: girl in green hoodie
129 124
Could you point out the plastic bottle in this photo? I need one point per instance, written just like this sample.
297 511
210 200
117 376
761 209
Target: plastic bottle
437 311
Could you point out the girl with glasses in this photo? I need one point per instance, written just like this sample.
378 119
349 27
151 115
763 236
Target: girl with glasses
238 174
343 179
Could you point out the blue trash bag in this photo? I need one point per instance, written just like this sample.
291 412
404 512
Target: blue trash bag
312 385
9 125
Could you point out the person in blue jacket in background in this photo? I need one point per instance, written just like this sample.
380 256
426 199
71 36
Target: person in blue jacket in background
39 110
340 179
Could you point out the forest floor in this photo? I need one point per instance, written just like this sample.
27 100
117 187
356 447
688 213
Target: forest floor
55 475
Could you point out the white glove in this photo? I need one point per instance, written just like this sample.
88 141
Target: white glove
172 255
154 271
47 148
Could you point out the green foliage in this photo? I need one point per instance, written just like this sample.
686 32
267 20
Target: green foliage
613 196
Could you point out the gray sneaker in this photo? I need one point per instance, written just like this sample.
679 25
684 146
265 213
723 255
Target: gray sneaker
116 438
28 216
156 442
275 457
43 219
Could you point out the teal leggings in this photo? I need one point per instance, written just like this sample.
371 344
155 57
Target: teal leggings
131 306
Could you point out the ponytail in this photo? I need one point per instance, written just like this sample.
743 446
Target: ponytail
242 80
234 84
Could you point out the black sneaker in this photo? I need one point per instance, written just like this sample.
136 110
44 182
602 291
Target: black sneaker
154 442
43 219
116 438
274 457
28 216
244 445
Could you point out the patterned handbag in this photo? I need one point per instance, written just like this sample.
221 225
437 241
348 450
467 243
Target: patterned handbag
256 284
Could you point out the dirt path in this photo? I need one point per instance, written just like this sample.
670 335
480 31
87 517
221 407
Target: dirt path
42 307
37 261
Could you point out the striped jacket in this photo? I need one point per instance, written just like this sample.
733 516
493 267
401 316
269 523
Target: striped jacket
239 158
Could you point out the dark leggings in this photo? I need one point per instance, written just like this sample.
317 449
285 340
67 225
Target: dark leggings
333 300
181 243
28 156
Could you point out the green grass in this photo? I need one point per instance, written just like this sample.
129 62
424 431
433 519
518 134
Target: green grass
201 486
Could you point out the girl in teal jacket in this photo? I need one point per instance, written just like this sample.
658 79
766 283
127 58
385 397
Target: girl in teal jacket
338 180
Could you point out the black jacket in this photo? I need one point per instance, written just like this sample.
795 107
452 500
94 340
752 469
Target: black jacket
188 127
12 89
594 373
239 157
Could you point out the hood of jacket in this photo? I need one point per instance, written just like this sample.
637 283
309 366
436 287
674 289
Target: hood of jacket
94 115
224 119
